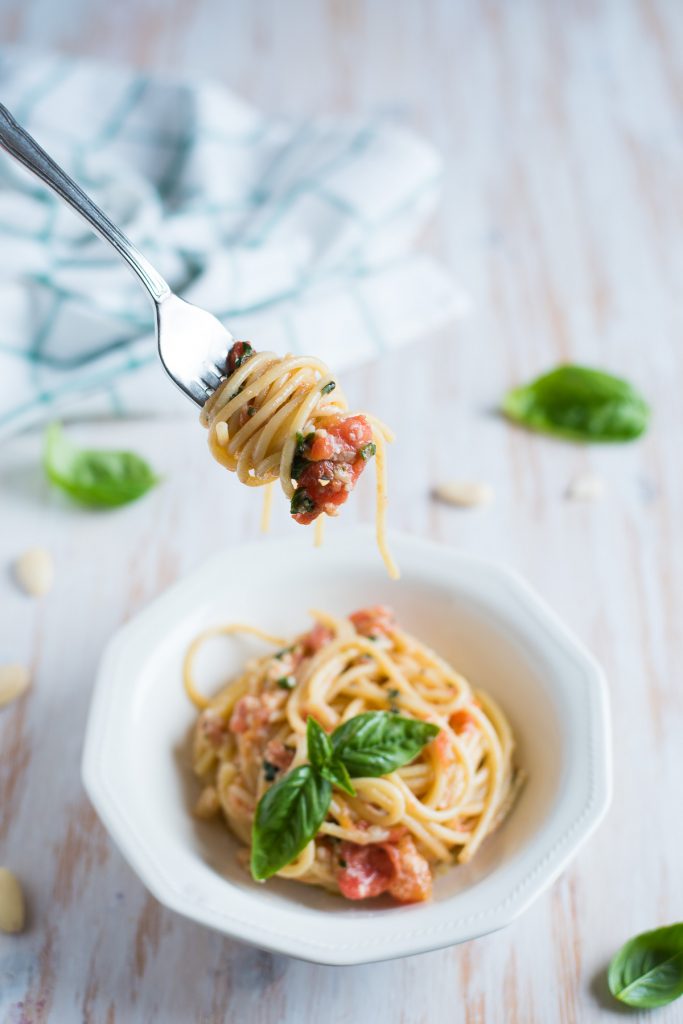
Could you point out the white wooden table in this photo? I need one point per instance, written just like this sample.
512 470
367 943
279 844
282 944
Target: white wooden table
563 216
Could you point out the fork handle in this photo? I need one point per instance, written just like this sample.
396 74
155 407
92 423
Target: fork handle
26 150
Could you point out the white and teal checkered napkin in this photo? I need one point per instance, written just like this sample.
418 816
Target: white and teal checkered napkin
296 234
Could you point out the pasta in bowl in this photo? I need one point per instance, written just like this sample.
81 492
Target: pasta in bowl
480 617
352 757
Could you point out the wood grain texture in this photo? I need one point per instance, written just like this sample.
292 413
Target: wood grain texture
563 216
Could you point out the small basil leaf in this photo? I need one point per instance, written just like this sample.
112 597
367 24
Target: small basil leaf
299 460
246 352
335 772
367 451
301 502
238 354
648 970
288 816
319 745
580 404
299 464
377 742
97 478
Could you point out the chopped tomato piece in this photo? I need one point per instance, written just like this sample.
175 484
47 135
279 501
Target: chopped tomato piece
249 715
395 867
397 832
366 871
276 753
412 880
442 749
316 638
238 354
328 464
213 727
372 621
463 720
323 487
340 439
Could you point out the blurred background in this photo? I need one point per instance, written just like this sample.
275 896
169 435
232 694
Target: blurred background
444 200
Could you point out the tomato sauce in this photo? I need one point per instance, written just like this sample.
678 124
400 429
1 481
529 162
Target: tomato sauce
396 868
330 461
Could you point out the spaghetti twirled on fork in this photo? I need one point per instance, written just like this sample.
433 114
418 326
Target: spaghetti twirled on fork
285 418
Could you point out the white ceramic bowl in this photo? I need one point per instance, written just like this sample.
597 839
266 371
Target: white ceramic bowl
481 617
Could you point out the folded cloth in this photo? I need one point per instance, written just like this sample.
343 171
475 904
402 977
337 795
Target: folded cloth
296 234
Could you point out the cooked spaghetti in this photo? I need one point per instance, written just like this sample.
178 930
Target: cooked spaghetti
398 828
285 418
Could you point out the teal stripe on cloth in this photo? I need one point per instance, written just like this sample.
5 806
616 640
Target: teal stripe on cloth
38 339
116 405
46 232
171 175
130 99
356 145
341 205
16 231
86 386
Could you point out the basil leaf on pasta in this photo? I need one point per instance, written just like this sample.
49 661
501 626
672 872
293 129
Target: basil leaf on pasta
288 816
648 970
580 404
335 772
319 745
320 755
377 742
97 478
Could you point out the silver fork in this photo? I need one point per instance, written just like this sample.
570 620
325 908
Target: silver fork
193 345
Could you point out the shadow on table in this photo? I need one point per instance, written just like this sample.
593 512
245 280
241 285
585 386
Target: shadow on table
600 991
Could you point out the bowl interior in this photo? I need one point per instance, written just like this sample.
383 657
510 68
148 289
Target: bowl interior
464 611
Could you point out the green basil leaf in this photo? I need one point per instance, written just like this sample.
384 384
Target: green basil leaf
301 502
648 970
580 404
299 464
335 772
366 451
299 460
321 757
98 478
319 745
288 816
245 352
377 742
